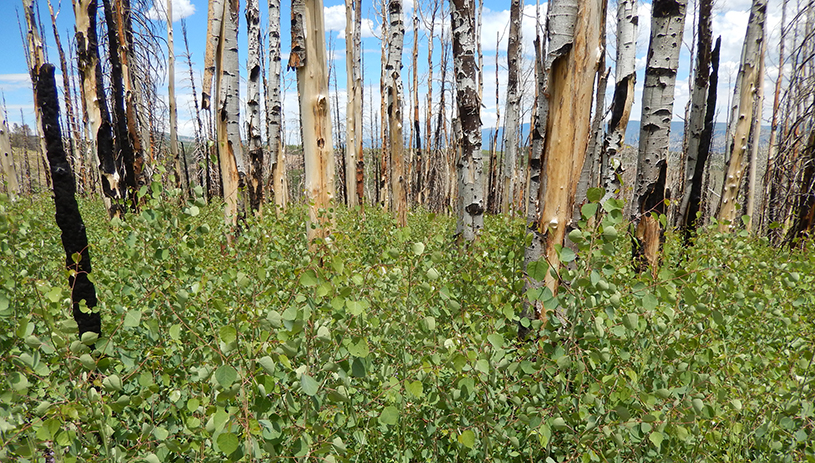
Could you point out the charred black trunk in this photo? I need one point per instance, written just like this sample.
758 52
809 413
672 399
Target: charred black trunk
74 236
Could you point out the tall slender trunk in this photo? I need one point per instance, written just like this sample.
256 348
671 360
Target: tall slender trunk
309 58
469 166
36 58
695 125
352 136
772 168
755 140
742 114
393 70
667 24
274 111
177 162
255 179
416 165
513 105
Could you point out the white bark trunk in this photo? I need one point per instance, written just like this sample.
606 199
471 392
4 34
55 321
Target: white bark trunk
667 23
513 105
254 181
274 110
469 166
179 168
393 70
351 137
7 159
228 112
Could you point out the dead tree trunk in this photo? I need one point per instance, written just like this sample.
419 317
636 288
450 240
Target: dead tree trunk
667 23
469 166
393 76
35 59
741 115
7 158
255 179
309 58
695 125
274 112
353 122
513 105
74 237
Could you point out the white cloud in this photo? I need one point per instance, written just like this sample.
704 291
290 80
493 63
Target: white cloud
181 10
334 20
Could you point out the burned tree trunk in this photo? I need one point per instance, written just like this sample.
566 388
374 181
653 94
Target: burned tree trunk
667 23
74 236
695 126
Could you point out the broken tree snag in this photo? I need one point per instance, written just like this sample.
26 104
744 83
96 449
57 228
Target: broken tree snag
469 166
74 237
274 111
297 56
742 114
212 54
667 22
513 106
575 41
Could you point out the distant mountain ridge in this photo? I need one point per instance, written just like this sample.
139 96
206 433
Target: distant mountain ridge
632 135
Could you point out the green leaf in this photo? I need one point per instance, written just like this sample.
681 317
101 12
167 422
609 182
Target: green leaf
588 210
418 248
132 318
309 385
482 365
338 445
467 439
228 442
389 415
226 375
359 349
358 368
567 255
415 388
267 364
193 404
356 308
89 338
595 194
496 340
537 269
649 302
656 438
227 334
308 279
161 433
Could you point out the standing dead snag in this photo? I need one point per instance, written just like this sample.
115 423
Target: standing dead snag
274 112
74 236
575 45
308 56
255 180
667 23
742 113
513 106
469 166
393 82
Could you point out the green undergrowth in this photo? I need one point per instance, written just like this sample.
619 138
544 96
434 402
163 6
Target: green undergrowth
387 344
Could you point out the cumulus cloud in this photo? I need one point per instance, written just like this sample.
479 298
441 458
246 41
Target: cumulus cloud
334 17
181 10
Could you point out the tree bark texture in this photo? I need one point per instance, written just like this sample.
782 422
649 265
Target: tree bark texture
575 45
667 23
230 150
253 123
212 52
695 125
741 115
173 110
69 220
315 115
274 111
625 77
393 76
353 119
770 176
513 105
469 166
695 188
35 58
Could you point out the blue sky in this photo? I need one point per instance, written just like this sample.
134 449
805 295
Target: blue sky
730 21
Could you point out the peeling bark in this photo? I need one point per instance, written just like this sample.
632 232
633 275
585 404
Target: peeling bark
741 115
572 62
230 150
6 158
315 116
667 23
69 220
469 165
212 52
